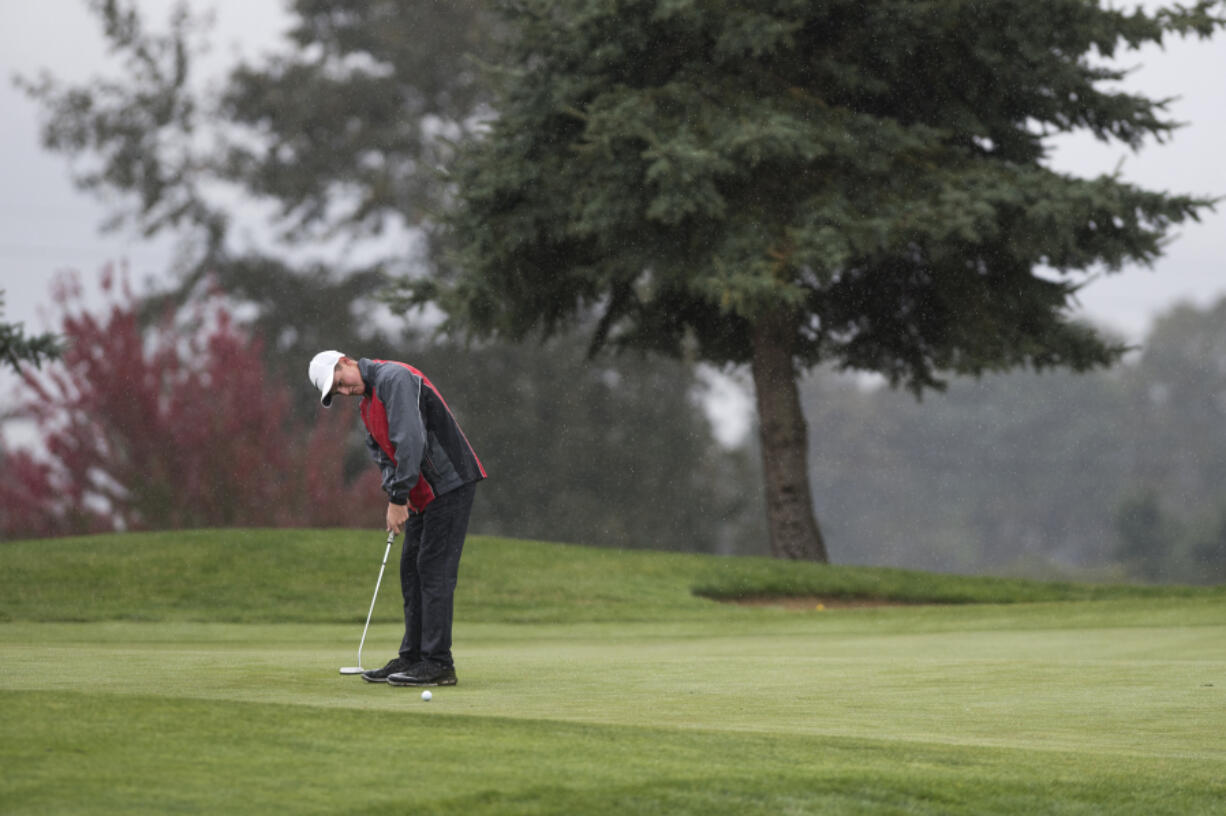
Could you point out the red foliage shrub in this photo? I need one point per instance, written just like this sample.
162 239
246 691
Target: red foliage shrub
178 426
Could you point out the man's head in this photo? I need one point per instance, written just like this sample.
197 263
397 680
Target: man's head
332 372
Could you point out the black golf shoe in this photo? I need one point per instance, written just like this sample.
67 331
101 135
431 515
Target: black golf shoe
424 673
396 664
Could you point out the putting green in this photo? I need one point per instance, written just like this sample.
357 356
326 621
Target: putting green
1146 691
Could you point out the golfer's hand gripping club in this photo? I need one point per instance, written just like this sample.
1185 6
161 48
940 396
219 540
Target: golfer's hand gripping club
397 515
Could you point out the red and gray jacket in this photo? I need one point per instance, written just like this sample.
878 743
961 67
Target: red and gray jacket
413 436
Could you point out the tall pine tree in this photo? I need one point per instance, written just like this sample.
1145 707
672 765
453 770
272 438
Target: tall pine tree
778 183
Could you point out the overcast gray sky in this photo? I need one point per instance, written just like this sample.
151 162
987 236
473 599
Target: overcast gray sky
46 225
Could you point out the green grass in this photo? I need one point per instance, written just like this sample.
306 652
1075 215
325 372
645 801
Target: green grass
320 576
196 672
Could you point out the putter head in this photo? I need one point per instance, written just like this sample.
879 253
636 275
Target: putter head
351 669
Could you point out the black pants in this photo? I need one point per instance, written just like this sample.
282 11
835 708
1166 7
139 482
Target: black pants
429 568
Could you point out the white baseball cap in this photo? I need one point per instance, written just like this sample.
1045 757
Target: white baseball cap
321 372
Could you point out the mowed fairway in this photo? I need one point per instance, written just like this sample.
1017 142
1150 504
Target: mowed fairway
596 704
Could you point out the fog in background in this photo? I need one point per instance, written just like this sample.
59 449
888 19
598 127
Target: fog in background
46 225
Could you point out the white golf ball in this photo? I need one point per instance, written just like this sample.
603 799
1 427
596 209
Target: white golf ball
426 695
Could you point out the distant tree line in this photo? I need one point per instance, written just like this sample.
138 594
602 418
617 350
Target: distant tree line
1113 473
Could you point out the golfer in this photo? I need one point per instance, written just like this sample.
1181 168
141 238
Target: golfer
430 474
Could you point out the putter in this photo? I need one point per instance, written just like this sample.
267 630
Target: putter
358 668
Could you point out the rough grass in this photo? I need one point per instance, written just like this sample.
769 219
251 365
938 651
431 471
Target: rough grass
196 672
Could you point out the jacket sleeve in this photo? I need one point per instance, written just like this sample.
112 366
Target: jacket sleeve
385 464
401 394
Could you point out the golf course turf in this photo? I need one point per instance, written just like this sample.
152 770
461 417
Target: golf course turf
197 672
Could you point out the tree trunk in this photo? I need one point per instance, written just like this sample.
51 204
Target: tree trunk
789 505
